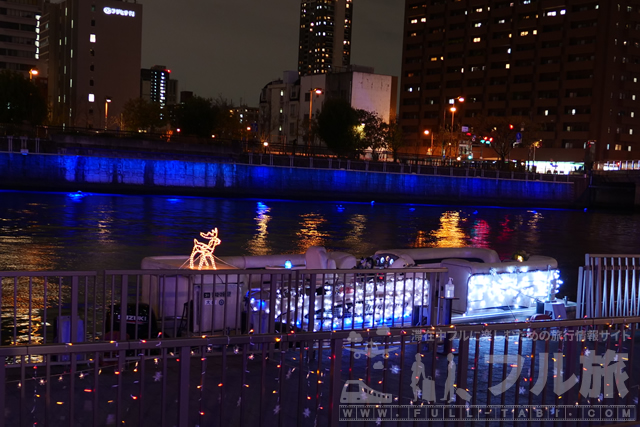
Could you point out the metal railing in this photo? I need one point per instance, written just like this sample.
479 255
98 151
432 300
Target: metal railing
72 307
37 307
307 378
435 167
609 286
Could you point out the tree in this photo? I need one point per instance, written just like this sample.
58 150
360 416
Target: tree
394 138
20 99
195 117
337 127
374 131
226 122
504 131
138 113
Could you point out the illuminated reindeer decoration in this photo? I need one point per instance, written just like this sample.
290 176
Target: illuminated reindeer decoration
204 251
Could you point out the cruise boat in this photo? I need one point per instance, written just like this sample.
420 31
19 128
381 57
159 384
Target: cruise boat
322 289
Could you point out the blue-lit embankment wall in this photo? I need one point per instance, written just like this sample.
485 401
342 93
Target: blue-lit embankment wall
106 174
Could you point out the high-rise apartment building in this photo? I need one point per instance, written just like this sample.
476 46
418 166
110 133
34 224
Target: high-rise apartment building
19 36
325 35
93 52
571 66
157 86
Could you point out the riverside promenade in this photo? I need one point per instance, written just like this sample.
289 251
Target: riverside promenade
252 175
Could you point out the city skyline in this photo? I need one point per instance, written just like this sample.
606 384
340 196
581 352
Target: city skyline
269 45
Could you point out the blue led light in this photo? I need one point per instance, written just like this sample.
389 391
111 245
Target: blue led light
288 264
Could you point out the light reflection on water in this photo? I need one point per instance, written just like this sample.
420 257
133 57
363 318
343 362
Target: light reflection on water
50 231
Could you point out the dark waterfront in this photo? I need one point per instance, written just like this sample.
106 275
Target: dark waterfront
61 231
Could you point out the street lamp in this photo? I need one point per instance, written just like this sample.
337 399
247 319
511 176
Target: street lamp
317 91
444 119
107 101
33 72
427 132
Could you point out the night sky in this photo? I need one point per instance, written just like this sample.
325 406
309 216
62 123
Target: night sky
234 48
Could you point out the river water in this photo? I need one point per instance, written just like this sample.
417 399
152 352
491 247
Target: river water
62 231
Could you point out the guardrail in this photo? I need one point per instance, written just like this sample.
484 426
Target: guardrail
73 307
330 377
421 167
609 286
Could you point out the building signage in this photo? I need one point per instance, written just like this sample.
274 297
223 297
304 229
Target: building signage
121 12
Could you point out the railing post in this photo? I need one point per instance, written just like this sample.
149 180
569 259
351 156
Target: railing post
366 166
335 389
463 362
3 375
74 310
183 388
310 161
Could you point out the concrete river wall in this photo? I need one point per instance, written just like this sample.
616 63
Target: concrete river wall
54 172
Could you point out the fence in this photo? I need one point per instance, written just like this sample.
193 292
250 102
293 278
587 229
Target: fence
423 167
609 286
329 377
72 307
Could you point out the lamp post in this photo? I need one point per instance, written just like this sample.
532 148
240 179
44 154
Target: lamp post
428 132
444 119
107 101
317 91
33 72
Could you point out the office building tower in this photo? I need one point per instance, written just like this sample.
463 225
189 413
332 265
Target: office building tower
325 35
157 86
92 50
19 36
572 67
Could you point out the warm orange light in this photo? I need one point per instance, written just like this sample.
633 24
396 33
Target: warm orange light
249 128
204 251
453 109
34 72
318 91
426 132
461 98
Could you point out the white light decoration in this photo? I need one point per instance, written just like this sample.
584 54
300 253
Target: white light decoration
204 251
376 301
521 288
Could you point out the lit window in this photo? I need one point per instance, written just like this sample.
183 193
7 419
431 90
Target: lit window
507 66
618 147
477 24
479 9
477 39
630 131
633 114
92 97
434 58
414 21
92 38
573 112
535 32
423 20
524 33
